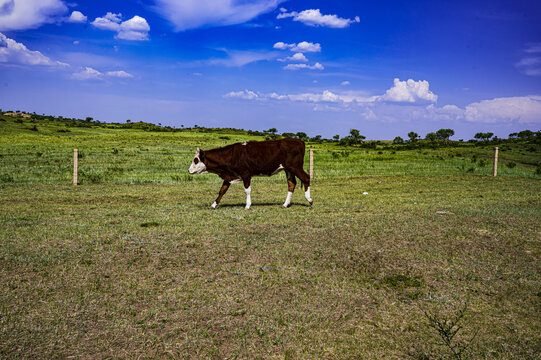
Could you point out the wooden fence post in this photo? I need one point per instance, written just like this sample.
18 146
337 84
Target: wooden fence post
75 165
495 165
311 164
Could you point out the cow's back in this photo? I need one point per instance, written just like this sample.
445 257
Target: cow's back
266 156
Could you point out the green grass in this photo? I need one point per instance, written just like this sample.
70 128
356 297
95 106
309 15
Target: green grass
134 264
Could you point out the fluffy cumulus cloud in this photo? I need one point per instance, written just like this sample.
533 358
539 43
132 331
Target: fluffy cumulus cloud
77 17
29 14
12 52
119 74
89 73
313 17
191 14
302 47
409 91
316 66
525 109
135 28
245 94
298 57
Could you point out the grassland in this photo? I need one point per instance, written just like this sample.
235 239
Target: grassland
132 263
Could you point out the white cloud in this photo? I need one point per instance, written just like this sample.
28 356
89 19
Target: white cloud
409 91
313 17
533 48
77 17
302 47
87 74
119 74
299 57
399 93
344 83
135 29
12 52
110 21
238 58
316 66
29 14
191 14
530 66
246 95
525 109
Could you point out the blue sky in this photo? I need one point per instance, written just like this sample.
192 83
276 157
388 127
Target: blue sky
322 67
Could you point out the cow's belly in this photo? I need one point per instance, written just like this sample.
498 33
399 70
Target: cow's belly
270 173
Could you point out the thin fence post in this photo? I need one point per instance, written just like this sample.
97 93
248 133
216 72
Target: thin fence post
311 164
75 165
495 165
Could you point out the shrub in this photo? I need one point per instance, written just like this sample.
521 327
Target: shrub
511 164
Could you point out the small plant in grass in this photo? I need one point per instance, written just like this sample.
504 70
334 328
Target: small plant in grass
6 178
483 163
511 164
447 328
92 176
538 169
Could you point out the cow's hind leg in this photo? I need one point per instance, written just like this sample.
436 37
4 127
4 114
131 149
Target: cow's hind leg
291 182
248 191
223 190
305 178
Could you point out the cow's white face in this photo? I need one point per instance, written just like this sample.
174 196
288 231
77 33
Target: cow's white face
198 166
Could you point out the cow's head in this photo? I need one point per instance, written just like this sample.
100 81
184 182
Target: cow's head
198 166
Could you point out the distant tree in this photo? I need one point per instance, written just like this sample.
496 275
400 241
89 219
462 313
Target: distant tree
444 134
525 134
336 137
356 137
271 131
316 138
288 135
89 119
413 136
301 135
353 138
513 135
398 140
128 121
431 136
483 136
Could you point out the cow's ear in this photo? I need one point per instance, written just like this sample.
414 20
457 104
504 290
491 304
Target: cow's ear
201 155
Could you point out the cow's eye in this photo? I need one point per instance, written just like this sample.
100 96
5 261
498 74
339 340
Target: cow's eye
195 161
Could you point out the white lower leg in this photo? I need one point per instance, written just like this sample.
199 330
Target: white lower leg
248 192
288 198
307 195
214 205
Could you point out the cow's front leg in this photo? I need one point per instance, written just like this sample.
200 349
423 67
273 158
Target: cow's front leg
223 190
248 191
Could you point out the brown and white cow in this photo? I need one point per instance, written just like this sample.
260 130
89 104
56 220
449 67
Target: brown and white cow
241 161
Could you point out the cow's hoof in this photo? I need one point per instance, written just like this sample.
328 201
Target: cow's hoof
311 202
